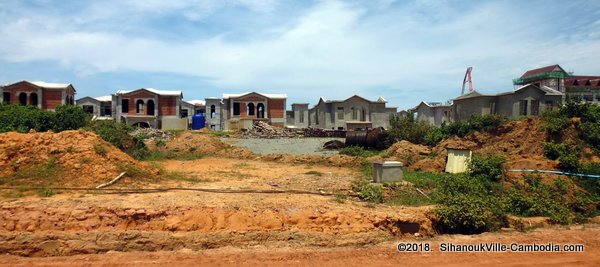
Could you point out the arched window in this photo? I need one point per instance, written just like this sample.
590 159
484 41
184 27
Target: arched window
150 107
23 99
354 114
212 111
139 106
363 115
260 110
250 109
33 99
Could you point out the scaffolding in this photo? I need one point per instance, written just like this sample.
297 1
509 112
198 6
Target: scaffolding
543 76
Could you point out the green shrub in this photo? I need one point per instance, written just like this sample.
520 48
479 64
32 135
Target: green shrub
116 133
367 191
538 199
590 133
489 170
405 127
358 151
554 122
469 214
69 117
553 150
24 118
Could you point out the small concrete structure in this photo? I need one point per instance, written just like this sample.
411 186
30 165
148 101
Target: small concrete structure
387 171
458 160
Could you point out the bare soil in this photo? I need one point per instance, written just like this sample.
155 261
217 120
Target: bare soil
72 158
187 227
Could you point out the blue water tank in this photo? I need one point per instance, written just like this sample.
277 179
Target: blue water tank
198 121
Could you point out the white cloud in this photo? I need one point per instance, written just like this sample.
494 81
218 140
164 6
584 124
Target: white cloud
332 49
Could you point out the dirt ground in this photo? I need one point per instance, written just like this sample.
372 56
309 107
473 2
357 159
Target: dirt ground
312 226
384 254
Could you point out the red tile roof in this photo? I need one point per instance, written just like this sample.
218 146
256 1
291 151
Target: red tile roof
581 81
541 70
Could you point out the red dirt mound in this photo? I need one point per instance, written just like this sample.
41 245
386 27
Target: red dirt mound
206 144
520 142
408 152
69 158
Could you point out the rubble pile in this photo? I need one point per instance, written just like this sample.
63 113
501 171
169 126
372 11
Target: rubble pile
152 134
261 129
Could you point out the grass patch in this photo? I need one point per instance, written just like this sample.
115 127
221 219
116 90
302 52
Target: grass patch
37 174
166 155
340 197
181 176
100 149
358 151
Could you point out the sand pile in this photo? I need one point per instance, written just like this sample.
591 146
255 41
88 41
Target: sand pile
69 158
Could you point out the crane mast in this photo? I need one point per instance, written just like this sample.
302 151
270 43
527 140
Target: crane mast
466 80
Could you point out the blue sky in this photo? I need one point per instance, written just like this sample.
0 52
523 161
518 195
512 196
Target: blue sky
405 51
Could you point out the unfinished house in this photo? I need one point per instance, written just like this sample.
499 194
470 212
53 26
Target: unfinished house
147 107
99 107
585 88
199 106
527 100
435 113
46 96
352 113
240 111
298 116
550 76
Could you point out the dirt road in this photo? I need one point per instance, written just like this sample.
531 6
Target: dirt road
384 254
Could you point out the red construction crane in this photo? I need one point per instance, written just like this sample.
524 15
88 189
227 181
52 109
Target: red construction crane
467 79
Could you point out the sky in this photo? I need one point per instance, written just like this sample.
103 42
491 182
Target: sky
404 51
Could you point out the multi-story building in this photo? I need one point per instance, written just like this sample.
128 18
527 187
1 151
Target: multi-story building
46 96
147 107
240 111
99 107
354 112
435 113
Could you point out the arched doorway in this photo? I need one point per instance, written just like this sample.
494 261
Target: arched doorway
150 107
260 110
23 99
33 99
251 109
212 111
139 106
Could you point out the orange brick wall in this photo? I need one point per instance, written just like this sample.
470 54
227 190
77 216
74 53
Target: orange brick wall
18 88
51 99
277 124
134 97
276 108
167 105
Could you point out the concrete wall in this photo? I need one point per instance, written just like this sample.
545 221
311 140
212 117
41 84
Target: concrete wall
88 101
214 120
299 116
353 109
174 123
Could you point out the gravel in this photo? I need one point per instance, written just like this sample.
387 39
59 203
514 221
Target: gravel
294 146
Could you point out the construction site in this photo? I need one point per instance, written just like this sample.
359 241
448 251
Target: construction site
204 197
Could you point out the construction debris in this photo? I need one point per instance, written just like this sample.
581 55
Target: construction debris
334 144
152 134
111 181
261 129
